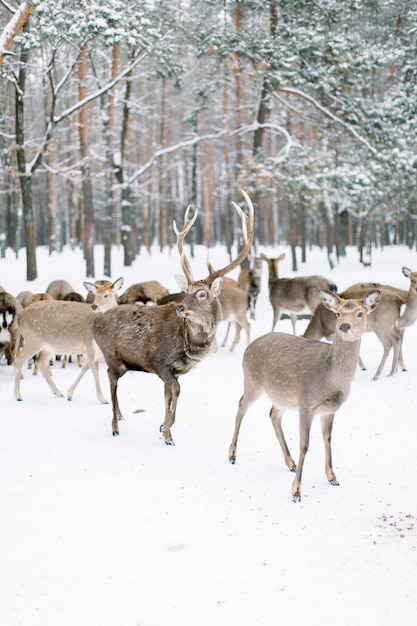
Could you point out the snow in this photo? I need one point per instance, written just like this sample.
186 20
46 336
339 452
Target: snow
103 531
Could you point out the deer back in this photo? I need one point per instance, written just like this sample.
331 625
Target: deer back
58 289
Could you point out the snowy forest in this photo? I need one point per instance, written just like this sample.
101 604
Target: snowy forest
116 115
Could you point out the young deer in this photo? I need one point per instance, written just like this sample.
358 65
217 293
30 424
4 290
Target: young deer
293 295
312 377
61 327
170 339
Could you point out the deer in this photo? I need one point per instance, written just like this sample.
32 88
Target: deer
312 377
234 306
170 339
250 281
10 308
384 322
58 289
63 327
409 315
293 295
143 293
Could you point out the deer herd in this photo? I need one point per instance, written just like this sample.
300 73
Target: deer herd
150 330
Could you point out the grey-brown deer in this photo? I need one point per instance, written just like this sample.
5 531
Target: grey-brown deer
312 377
52 327
170 339
293 295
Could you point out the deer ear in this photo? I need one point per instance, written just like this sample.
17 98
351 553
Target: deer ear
407 272
216 287
90 287
329 299
182 282
118 284
371 300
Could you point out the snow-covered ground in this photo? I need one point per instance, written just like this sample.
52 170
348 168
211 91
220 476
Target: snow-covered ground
103 531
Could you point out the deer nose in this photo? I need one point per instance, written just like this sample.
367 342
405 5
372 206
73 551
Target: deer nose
180 309
94 307
344 328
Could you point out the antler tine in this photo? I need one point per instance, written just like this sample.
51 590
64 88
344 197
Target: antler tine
185 264
247 231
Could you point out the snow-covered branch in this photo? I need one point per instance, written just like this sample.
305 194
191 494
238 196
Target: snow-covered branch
302 94
13 27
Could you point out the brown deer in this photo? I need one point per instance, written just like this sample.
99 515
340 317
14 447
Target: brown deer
312 377
149 291
10 308
250 282
58 289
383 321
293 295
170 339
61 327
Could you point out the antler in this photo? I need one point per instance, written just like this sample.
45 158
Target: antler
185 264
247 231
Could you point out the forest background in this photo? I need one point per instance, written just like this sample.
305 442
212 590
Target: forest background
115 115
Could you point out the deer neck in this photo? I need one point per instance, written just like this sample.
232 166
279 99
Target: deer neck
344 355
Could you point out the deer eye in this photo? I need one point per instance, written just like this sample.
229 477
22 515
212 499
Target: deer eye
360 314
337 314
202 295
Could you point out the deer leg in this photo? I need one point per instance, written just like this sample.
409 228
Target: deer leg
246 327
361 364
306 418
293 318
244 403
42 361
276 415
326 429
172 391
227 334
276 318
382 363
238 328
397 359
113 380
89 363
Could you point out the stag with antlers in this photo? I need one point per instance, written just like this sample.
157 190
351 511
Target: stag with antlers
170 339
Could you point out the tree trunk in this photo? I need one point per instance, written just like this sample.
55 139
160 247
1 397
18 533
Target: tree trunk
25 176
87 232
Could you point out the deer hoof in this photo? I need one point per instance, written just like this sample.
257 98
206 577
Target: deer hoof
115 433
232 460
334 482
69 398
293 469
296 497
169 443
